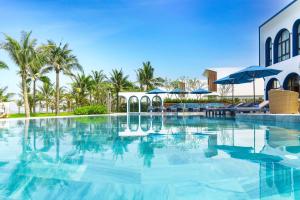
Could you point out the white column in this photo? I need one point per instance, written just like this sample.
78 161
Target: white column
139 100
128 105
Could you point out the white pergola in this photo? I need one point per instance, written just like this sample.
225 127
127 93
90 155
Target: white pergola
140 96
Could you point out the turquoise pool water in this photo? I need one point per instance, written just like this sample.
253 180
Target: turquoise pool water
148 157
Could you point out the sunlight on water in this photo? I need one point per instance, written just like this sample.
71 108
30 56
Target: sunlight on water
148 157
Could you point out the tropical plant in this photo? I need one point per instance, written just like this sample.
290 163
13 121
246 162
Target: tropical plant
146 79
90 110
60 59
23 54
119 81
47 92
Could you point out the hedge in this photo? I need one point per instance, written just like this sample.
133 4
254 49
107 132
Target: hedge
90 110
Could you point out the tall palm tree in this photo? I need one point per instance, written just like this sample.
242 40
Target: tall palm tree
98 84
146 79
81 86
47 92
23 54
37 72
119 81
60 59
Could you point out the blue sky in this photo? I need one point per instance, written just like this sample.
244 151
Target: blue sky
179 37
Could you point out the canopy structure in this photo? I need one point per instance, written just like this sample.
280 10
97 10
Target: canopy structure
231 81
252 73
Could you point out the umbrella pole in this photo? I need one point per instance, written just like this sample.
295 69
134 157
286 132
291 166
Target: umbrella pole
254 90
232 93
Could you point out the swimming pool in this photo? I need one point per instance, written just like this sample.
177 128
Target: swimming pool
148 157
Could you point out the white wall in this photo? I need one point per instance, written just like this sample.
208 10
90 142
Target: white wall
284 20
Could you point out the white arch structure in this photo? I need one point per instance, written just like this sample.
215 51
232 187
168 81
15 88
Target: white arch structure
139 96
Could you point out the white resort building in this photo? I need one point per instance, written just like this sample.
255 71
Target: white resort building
279 48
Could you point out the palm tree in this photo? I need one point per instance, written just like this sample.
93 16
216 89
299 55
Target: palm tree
81 86
4 96
37 72
19 103
23 54
119 81
146 79
3 65
98 84
60 59
47 92
69 98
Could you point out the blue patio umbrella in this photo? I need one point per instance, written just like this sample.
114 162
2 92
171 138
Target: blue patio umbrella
157 91
254 72
200 91
231 81
178 91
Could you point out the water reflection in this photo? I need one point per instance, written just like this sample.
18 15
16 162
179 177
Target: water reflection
54 154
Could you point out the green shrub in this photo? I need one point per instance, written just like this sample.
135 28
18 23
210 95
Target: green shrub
90 110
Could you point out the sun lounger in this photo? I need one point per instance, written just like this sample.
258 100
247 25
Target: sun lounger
193 107
262 107
223 110
150 109
159 109
3 115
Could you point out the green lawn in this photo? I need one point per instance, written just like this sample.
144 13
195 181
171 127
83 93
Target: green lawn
40 115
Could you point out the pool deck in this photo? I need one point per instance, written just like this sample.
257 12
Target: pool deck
286 118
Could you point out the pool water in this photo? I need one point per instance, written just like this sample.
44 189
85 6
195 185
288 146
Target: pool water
148 157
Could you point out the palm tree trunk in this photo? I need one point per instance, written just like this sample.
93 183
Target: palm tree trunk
25 95
117 102
57 94
47 108
34 92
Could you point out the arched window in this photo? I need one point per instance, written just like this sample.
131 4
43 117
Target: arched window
268 53
272 84
282 46
291 82
296 38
